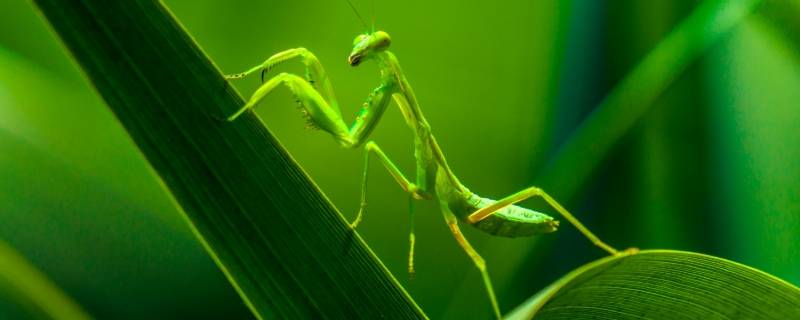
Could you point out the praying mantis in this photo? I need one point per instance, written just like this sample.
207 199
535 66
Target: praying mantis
434 180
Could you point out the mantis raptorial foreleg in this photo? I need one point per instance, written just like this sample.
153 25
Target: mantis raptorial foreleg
325 115
487 211
320 112
315 73
452 223
407 186
314 104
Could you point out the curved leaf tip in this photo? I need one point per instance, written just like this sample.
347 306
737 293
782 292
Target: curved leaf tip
664 284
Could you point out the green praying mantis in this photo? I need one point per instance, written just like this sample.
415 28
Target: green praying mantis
435 180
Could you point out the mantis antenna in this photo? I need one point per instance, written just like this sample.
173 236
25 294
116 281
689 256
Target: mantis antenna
373 16
358 15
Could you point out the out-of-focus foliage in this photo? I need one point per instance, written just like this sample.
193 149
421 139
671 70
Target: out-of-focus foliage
26 292
80 203
712 167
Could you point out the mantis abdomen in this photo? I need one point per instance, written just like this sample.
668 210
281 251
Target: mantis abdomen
510 221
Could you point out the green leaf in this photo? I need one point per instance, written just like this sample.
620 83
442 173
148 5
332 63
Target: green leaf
664 284
28 287
280 242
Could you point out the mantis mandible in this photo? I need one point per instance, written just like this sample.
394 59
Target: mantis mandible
434 180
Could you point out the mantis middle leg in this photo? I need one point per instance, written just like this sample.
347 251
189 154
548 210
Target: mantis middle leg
487 211
407 186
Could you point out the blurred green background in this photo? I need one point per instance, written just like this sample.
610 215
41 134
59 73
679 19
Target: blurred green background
712 166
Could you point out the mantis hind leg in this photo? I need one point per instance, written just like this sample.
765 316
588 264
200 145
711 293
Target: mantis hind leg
410 188
452 223
487 211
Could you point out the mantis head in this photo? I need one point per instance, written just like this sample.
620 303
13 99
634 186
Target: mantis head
366 46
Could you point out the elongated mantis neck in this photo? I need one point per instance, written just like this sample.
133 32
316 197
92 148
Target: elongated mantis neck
403 94
409 106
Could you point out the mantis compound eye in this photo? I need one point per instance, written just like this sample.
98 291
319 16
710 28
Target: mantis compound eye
354 60
382 40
